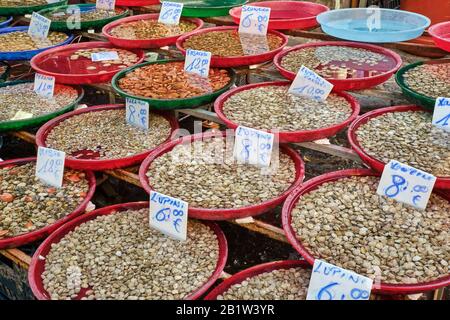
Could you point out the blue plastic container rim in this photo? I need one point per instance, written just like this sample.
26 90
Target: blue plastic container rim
320 18
23 28
6 22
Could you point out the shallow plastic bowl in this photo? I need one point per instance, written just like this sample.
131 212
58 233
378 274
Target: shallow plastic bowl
235 61
346 84
143 43
360 24
253 272
56 62
37 265
22 10
310 185
35 235
289 136
27 54
441 35
97 164
224 214
286 15
377 165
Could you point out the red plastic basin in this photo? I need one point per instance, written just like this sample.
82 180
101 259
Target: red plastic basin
292 136
223 214
238 61
56 62
102 164
35 235
285 15
252 272
143 43
348 84
377 165
310 185
136 3
37 265
441 35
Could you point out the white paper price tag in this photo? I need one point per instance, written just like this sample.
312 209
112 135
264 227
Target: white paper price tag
137 113
105 4
309 84
44 85
104 56
168 215
39 26
406 184
197 62
254 20
329 282
170 12
441 115
253 146
50 166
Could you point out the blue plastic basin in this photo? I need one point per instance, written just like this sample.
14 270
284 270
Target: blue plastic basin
6 22
28 54
373 24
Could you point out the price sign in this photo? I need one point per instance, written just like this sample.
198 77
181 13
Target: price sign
137 113
151 56
50 166
197 62
253 146
441 115
170 12
329 282
254 20
105 4
104 56
20 115
309 84
406 184
168 215
39 26
44 85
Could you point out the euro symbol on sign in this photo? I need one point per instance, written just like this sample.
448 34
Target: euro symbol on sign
374 19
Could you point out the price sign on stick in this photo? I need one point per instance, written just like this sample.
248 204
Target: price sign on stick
309 84
329 282
137 113
170 12
197 62
104 56
441 115
50 166
168 215
39 26
44 85
406 184
105 4
253 146
254 20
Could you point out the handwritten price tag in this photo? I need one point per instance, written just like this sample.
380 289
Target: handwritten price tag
39 26
170 12
253 146
197 62
309 84
50 166
329 282
441 115
406 184
104 56
137 113
44 85
254 20
169 215
105 4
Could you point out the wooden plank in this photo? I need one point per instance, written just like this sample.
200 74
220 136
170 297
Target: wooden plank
17 256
